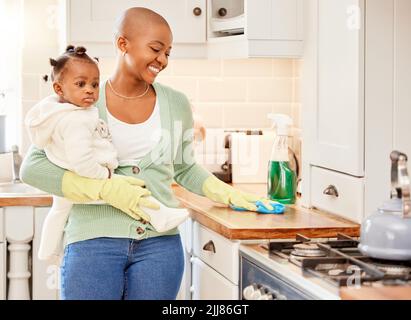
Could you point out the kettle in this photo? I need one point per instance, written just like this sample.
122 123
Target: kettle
386 234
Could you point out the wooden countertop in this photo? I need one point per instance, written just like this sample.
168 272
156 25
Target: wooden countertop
240 225
383 293
26 201
250 225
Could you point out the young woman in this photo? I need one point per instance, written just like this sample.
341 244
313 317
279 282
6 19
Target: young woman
110 255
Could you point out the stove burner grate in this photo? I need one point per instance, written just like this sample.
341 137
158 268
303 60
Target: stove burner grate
339 261
307 250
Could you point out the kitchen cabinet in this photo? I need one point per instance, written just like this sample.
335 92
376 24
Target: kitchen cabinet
388 95
3 268
269 28
186 238
211 285
46 274
350 200
91 23
2 237
356 69
265 28
336 120
28 277
215 265
3 257
19 234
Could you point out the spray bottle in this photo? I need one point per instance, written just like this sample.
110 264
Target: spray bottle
281 178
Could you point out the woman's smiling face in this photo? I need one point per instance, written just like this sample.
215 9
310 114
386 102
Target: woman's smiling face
147 51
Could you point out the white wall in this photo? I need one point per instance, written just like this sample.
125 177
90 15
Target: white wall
39 44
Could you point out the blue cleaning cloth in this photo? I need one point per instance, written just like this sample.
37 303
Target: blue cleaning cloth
278 208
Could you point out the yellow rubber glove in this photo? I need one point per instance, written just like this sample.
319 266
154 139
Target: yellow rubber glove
221 192
122 192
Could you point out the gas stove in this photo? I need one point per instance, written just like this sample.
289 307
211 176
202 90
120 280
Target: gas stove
316 268
340 262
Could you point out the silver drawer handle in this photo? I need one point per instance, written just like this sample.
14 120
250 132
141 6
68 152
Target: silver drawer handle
331 191
209 246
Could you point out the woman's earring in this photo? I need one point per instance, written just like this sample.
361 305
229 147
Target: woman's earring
123 53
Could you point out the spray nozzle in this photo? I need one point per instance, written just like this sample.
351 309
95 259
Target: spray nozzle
282 122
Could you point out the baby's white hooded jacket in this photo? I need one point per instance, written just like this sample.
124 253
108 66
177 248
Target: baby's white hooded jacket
73 138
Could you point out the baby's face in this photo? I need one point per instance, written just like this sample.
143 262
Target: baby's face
80 83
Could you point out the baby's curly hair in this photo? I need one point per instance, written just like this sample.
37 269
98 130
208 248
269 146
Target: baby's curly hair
71 52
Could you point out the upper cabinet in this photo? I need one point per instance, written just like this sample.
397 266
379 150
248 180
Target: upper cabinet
247 28
356 101
91 23
201 29
336 117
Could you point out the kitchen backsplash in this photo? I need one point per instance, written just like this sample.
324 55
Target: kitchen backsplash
224 93
234 93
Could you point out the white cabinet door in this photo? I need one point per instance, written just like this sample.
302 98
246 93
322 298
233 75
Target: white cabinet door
3 255
208 284
184 293
336 112
388 98
2 236
45 274
186 235
274 19
94 20
3 268
402 107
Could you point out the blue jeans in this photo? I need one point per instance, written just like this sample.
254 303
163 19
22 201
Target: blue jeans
116 268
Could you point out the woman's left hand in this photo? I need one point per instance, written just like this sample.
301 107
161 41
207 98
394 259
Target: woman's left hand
218 191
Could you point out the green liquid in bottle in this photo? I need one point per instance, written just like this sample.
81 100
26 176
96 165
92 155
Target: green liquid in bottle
281 182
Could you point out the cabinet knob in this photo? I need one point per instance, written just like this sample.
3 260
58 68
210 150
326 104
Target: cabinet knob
222 12
197 11
331 191
209 246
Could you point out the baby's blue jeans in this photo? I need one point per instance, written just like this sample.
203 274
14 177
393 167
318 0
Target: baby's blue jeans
116 268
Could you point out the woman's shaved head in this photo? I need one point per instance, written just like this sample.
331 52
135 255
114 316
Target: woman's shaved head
137 20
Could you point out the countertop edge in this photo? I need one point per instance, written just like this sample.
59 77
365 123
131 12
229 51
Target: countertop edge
280 233
26 201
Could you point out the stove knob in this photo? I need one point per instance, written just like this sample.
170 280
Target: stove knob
281 297
248 292
267 296
278 296
260 292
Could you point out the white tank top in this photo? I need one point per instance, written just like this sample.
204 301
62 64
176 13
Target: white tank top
134 141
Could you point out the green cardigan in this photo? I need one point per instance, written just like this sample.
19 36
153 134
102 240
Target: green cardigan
171 159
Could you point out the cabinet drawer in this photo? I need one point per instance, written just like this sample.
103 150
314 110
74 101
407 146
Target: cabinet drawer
2 236
345 193
208 284
224 258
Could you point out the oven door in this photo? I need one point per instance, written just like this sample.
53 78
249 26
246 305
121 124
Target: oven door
257 283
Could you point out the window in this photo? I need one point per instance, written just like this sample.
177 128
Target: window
11 13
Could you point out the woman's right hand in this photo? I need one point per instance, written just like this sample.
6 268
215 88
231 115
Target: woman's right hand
128 194
124 193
